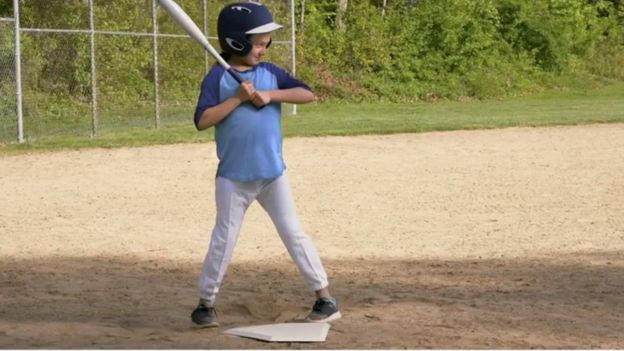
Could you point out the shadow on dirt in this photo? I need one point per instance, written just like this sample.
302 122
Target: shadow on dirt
578 297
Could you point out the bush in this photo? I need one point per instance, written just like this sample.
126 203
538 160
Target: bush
453 48
413 50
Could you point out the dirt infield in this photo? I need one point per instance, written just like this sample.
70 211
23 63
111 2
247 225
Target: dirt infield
508 238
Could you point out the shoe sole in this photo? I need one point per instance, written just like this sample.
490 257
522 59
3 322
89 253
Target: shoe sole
330 318
204 326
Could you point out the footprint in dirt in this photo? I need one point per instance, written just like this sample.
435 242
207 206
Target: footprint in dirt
263 310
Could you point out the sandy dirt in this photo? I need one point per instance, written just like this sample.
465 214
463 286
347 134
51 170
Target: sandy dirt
508 238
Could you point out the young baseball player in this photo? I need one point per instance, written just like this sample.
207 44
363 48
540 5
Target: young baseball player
247 121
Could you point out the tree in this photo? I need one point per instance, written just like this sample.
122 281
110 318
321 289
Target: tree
340 14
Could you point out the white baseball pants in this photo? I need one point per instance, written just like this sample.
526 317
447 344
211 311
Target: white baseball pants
233 199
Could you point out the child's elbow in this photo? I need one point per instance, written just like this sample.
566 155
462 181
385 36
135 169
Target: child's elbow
309 97
202 121
202 126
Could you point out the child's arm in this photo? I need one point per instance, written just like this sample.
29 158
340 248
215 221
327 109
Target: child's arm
215 114
296 95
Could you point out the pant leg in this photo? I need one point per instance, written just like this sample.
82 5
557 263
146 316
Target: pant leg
277 200
232 201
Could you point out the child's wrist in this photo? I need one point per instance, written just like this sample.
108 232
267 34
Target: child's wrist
237 99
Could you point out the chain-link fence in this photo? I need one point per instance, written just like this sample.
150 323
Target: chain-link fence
8 107
87 68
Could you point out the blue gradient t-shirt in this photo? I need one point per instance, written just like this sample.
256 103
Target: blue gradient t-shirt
249 141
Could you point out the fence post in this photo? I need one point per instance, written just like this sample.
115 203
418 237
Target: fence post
155 59
18 73
94 117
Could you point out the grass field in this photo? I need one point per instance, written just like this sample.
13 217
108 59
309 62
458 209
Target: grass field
603 105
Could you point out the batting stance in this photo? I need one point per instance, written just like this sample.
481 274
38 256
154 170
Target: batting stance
248 135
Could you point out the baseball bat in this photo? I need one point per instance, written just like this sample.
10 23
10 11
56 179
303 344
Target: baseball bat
183 20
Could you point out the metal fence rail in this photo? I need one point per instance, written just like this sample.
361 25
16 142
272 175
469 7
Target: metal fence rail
89 79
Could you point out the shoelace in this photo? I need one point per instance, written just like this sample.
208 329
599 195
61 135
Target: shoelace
318 305
206 308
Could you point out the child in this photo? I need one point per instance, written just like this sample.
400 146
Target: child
247 121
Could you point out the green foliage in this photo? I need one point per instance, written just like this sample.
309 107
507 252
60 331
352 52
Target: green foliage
408 51
452 48
424 49
6 9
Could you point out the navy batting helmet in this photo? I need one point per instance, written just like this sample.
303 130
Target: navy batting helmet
239 20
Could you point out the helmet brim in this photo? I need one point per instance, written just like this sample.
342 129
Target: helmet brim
266 28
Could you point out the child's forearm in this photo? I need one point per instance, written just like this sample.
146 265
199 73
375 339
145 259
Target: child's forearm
216 114
292 96
213 115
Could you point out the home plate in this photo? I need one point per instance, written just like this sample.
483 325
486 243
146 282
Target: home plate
284 332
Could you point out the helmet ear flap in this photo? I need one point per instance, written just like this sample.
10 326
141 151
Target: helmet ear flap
238 46
235 45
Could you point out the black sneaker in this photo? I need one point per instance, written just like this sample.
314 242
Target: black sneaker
204 317
324 310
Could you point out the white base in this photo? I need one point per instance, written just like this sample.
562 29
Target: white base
284 332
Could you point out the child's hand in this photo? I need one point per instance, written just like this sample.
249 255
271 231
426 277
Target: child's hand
260 98
246 91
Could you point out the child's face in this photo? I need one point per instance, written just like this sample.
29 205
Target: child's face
259 44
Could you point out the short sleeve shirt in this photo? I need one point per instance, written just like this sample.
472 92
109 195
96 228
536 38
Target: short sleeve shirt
248 140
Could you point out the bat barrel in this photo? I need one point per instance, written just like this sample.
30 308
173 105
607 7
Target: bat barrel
184 20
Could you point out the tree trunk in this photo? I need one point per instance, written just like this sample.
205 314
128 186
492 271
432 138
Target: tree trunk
302 14
342 10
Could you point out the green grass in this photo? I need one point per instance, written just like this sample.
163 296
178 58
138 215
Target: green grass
604 105
555 108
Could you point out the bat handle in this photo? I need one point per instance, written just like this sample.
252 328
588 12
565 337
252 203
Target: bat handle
235 75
